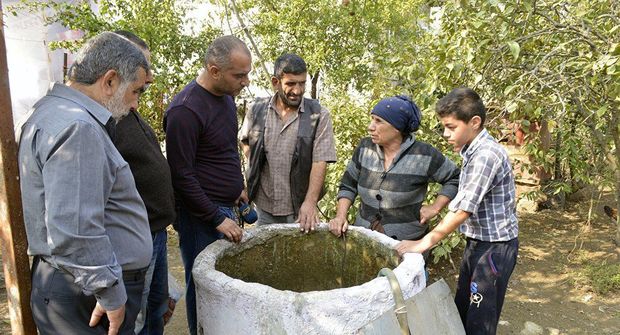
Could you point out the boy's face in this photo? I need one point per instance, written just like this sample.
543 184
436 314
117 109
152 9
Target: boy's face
460 133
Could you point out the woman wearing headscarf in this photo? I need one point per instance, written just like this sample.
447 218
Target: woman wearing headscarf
390 172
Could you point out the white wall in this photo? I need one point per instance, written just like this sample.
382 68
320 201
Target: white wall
32 67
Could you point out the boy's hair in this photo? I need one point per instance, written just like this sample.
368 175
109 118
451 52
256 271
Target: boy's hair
464 103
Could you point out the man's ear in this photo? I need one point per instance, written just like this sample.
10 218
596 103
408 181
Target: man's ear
476 122
214 71
109 83
274 82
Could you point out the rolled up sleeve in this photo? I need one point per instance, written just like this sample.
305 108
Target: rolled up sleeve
476 183
324 149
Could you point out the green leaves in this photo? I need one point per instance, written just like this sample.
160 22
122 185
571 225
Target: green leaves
601 111
549 69
515 49
175 49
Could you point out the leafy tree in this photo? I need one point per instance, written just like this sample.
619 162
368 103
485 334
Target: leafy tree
176 47
552 64
550 67
344 42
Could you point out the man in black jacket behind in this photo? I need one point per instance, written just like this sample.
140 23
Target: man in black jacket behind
138 144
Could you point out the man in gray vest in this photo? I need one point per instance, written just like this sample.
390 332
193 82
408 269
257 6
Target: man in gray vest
288 141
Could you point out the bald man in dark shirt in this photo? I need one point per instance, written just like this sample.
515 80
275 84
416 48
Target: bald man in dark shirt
201 128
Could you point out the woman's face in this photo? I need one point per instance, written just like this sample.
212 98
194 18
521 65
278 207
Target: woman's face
382 132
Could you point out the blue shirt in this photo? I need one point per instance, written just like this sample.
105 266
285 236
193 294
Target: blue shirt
487 191
82 211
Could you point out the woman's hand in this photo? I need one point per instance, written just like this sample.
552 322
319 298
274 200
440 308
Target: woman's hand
427 213
338 226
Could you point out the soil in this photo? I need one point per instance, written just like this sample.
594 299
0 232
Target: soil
548 287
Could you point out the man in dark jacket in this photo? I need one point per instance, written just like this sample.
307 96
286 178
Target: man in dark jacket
138 144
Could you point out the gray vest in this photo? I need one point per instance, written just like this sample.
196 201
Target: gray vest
302 156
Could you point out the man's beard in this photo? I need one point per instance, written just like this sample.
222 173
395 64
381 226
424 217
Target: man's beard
288 102
115 105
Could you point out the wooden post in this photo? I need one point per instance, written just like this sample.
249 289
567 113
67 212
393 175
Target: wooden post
12 232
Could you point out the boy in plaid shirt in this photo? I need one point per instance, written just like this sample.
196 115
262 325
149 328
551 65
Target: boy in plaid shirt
484 210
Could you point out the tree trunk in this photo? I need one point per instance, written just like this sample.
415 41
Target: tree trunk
252 43
545 143
616 136
314 80
13 239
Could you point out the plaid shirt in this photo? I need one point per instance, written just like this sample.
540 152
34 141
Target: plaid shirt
274 192
487 191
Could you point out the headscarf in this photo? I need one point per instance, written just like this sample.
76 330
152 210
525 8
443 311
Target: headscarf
400 112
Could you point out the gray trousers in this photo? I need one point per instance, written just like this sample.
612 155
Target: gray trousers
266 218
59 306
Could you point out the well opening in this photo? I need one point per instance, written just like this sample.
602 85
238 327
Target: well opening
309 262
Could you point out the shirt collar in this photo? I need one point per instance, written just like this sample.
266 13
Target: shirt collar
468 150
272 104
94 108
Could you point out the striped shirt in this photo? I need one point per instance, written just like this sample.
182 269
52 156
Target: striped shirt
487 191
396 194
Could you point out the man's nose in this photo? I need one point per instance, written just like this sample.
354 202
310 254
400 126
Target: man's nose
298 89
134 105
246 81
446 133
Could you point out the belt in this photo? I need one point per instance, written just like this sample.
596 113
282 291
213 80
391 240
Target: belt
128 275
134 275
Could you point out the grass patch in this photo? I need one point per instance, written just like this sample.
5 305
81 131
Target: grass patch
604 278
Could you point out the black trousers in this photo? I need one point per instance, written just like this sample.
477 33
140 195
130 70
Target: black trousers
59 306
483 279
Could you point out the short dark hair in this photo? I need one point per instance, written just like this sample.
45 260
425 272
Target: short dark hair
133 38
289 63
464 103
221 48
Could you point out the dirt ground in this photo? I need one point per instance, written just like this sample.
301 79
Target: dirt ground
547 288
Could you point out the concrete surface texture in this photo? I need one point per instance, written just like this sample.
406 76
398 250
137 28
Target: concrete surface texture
229 305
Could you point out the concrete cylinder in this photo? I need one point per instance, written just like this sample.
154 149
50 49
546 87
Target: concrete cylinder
281 281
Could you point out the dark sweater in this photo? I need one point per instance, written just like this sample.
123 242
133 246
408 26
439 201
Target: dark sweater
137 143
201 143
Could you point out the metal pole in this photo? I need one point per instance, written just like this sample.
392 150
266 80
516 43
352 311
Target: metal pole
12 232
